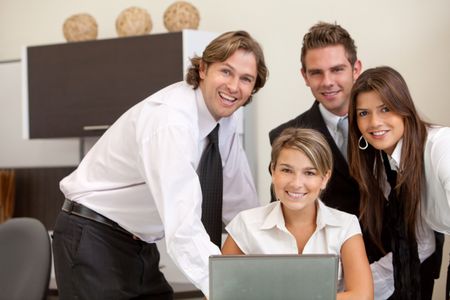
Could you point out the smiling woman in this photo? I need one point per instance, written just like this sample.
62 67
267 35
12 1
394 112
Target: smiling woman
300 223
380 126
402 165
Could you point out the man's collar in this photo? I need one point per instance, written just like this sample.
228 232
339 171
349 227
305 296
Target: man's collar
206 121
331 120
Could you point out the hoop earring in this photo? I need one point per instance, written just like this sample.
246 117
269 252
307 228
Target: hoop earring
359 143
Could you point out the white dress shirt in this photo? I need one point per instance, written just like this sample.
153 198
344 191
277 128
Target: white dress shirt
262 230
142 175
331 121
436 198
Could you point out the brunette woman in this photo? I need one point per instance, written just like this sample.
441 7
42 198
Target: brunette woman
402 165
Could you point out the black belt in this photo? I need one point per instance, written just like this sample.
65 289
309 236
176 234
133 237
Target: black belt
80 210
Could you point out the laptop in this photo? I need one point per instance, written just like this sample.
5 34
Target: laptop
251 277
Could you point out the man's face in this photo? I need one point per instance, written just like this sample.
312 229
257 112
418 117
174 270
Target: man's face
227 85
330 76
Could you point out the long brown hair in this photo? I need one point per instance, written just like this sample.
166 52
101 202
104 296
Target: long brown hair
366 166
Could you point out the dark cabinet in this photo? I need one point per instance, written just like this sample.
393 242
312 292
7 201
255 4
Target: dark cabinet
79 89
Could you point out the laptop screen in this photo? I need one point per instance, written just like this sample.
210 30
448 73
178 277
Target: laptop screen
308 276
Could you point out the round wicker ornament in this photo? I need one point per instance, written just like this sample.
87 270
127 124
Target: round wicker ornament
133 21
80 27
181 15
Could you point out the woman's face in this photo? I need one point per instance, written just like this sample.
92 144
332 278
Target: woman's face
381 127
297 183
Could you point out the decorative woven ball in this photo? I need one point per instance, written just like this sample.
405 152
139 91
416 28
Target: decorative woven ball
181 15
133 21
80 27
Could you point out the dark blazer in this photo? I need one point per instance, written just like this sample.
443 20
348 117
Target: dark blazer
342 191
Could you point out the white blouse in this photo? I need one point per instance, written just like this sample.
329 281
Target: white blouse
262 230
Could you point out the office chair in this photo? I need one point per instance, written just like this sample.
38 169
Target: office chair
25 259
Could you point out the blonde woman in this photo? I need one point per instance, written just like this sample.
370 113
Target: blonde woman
299 222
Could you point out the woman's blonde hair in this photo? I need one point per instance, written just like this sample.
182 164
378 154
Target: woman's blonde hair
309 141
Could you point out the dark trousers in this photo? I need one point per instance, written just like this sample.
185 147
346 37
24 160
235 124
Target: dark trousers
95 261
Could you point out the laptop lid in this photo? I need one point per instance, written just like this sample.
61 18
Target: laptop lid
308 276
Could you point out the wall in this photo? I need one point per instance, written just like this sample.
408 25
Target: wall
411 35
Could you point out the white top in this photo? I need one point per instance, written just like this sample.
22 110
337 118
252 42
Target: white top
262 231
436 198
435 204
142 174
